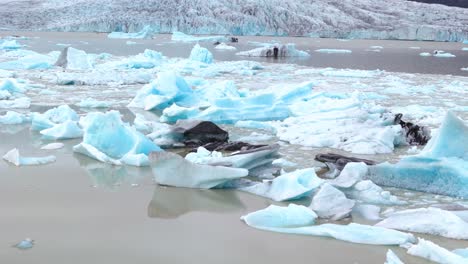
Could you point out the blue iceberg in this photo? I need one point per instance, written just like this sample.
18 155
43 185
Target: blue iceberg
67 130
201 54
52 117
441 167
13 118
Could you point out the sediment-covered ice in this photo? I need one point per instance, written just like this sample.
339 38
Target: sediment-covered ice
432 221
281 50
299 220
433 252
146 32
441 167
108 139
171 169
330 202
201 54
182 37
13 156
290 186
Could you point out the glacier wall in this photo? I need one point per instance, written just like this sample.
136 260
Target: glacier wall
322 18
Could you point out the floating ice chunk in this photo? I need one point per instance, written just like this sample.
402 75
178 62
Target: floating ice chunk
203 156
103 77
92 103
9 44
368 192
13 118
146 60
74 59
330 202
255 125
425 54
416 48
288 50
128 42
444 55
284 163
223 89
182 37
432 221
14 157
25 244
53 116
332 51
6 74
277 216
297 220
430 251
350 73
22 102
11 86
146 32
224 46
392 258
29 62
289 186
52 146
441 167
171 169
107 134
366 211
464 69
255 137
167 89
350 175
465 48
201 54
175 112
66 130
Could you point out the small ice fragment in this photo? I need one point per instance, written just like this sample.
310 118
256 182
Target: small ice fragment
51 146
14 157
392 258
27 243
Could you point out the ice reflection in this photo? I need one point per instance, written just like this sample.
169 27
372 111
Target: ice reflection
171 202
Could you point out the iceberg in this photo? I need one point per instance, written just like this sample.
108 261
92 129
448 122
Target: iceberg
9 44
290 186
146 32
74 59
173 170
146 60
392 258
367 211
224 46
13 156
334 51
432 221
330 202
66 130
441 167
444 55
182 37
299 220
281 162
430 251
22 102
13 118
29 62
12 86
107 139
103 77
167 89
368 192
352 173
24 244
51 117
425 54
277 51
201 54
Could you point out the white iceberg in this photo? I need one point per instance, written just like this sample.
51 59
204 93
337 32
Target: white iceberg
430 251
444 55
66 130
29 62
182 37
13 156
366 211
330 202
283 163
107 139
52 146
281 51
290 186
425 54
432 221
12 86
171 169
201 54
392 258
74 59
224 46
441 167
298 220
352 173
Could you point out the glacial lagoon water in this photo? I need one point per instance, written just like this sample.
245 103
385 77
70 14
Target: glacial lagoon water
80 210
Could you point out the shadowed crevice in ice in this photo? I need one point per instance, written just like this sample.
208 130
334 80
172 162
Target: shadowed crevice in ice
173 170
170 202
296 219
441 167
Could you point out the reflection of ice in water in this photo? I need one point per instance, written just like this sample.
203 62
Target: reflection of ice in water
107 176
170 202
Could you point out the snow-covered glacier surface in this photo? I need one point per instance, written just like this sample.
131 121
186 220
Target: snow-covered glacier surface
343 19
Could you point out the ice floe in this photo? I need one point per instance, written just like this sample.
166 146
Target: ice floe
182 37
289 186
102 130
366 211
425 54
30 62
12 44
441 167
432 221
352 173
24 244
171 169
368 192
52 117
299 220
201 54
433 252
66 130
13 156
